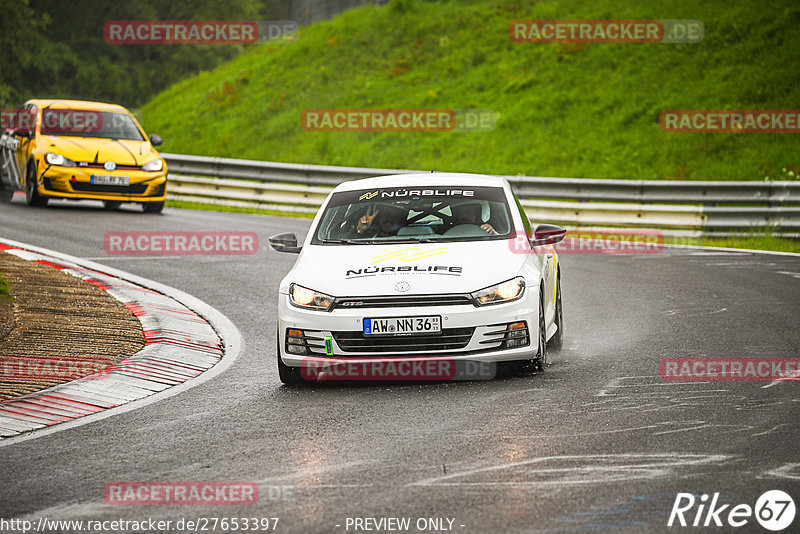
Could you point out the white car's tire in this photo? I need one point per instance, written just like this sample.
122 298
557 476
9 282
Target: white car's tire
541 356
557 341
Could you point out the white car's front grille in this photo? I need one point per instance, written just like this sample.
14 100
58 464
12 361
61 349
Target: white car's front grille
449 339
394 301
464 340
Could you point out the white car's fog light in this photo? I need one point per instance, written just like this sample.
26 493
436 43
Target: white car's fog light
296 342
516 335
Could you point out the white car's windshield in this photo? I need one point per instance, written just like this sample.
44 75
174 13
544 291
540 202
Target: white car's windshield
430 213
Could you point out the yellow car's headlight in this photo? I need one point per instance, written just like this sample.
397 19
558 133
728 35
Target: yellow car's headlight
153 166
302 297
57 159
502 292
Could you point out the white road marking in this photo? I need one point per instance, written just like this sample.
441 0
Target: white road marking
599 468
112 258
694 312
770 430
785 471
698 427
617 431
715 253
748 263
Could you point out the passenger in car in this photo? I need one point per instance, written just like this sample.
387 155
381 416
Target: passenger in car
389 220
470 213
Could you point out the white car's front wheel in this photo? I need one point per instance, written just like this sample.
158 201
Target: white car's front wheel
541 357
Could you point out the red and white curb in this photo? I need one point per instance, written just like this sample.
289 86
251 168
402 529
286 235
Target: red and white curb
180 345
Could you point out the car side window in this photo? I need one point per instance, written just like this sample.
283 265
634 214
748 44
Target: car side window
32 112
24 121
525 221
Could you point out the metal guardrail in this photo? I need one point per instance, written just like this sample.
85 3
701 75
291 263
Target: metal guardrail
643 191
268 172
655 191
678 206
672 205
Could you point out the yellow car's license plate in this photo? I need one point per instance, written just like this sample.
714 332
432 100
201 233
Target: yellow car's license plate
103 179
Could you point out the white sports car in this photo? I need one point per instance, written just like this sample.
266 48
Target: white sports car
398 270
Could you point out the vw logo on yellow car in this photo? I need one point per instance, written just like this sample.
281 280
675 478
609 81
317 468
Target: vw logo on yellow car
109 165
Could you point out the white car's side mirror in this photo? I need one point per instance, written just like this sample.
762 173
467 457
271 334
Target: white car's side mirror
285 243
548 234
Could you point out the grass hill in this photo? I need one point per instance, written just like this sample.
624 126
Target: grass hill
568 110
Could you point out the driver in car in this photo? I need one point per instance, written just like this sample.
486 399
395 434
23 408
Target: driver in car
389 220
470 213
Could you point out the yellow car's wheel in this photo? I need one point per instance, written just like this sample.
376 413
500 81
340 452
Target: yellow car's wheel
152 207
32 196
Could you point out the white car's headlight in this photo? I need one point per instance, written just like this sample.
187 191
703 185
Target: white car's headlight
502 292
58 159
302 297
153 166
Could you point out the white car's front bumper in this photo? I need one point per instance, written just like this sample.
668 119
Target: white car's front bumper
475 330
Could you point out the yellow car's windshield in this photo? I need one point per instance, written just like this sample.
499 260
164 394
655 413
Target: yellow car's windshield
89 123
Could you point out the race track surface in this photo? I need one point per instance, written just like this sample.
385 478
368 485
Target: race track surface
597 442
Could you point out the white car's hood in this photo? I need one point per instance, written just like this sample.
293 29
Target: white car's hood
427 268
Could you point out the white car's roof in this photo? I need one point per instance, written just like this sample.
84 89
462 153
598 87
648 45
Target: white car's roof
444 179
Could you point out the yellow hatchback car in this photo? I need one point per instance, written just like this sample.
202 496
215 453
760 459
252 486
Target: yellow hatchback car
73 149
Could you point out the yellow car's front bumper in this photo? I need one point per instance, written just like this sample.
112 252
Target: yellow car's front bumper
76 183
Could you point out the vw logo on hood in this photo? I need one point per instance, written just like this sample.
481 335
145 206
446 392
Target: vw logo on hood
109 165
402 287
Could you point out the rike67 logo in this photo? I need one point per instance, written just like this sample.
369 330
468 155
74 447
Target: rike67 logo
774 510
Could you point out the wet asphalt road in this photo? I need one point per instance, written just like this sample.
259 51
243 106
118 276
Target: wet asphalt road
598 442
